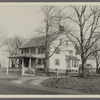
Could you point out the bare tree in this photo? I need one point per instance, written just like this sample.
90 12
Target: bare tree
85 21
12 44
52 25
96 55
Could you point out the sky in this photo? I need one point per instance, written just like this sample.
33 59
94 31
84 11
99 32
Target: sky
20 19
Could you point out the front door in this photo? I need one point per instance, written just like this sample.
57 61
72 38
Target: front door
26 62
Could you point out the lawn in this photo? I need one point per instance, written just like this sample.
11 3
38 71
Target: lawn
90 85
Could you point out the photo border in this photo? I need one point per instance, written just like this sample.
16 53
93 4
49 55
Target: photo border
48 97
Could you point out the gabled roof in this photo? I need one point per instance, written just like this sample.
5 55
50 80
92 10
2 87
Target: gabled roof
34 42
39 41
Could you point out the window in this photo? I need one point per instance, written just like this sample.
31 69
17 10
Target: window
77 63
24 51
75 70
70 53
74 63
57 61
57 51
41 50
32 50
40 61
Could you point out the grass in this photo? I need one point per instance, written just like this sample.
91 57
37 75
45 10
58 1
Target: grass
90 85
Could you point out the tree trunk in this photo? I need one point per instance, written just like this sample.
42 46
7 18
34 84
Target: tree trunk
83 66
97 69
82 70
46 65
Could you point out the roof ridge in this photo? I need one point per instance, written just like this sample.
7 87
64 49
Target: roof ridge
39 40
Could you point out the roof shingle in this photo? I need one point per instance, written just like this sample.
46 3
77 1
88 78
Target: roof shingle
39 41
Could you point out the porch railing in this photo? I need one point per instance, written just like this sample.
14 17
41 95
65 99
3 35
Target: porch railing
28 71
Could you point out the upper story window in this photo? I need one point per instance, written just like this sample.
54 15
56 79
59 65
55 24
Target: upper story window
41 50
57 61
26 50
57 51
70 53
22 51
32 50
74 63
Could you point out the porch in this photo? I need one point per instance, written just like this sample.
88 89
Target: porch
26 64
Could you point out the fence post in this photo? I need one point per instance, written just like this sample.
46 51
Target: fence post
8 66
34 72
66 73
23 67
57 73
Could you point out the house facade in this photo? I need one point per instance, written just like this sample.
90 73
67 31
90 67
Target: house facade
32 55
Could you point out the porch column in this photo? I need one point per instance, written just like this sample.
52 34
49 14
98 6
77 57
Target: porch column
29 62
22 66
9 65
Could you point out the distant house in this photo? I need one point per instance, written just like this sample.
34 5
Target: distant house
32 54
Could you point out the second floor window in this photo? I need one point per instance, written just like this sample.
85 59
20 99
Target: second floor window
41 50
23 51
32 50
26 50
74 63
70 53
57 61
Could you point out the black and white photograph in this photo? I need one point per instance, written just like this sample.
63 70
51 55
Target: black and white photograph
50 49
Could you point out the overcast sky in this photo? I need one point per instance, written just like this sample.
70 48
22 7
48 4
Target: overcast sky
20 19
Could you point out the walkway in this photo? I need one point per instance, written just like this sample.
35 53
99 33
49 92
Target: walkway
35 83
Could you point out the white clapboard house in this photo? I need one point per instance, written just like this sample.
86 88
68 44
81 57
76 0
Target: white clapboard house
32 54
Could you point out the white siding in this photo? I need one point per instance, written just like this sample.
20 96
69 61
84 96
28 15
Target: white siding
62 56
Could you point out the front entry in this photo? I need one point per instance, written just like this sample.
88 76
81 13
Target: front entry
26 62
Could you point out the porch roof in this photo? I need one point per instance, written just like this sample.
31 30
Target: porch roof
72 58
27 56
